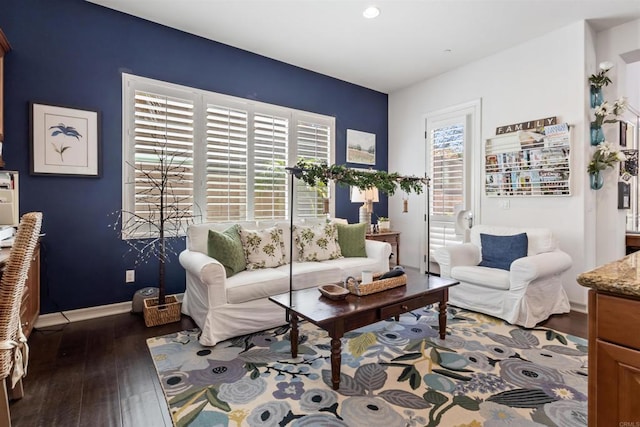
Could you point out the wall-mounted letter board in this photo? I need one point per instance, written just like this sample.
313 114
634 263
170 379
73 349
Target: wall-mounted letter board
528 163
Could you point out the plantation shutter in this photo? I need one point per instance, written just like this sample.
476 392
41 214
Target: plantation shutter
227 159
447 185
313 144
270 136
163 141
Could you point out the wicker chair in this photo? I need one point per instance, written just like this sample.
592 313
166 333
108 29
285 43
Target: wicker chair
14 352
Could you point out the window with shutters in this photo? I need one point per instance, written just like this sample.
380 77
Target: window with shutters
452 140
226 157
447 185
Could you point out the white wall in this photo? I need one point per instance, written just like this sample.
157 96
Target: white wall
540 78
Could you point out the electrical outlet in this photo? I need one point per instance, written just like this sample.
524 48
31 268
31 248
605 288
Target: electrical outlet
130 276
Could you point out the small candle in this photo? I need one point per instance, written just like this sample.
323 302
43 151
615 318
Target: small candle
367 276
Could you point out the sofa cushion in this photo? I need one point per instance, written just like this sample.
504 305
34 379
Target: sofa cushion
501 251
351 239
354 266
226 247
310 273
256 284
263 248
250 285
494 278
198 234
317 243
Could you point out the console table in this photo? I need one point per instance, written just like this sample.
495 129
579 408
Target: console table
391 237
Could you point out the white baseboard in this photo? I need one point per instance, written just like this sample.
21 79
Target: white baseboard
52 319
58 318
582 308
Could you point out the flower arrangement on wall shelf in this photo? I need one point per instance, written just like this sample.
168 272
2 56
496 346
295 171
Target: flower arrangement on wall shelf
597 81
605 156
605 113
605 110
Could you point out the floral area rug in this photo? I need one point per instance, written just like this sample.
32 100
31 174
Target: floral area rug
485 373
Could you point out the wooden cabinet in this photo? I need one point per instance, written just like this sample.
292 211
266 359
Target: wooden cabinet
614 359
30 309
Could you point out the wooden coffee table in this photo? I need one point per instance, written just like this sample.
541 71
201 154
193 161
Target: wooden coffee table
353 312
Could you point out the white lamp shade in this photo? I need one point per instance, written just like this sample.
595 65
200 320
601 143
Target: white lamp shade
363 196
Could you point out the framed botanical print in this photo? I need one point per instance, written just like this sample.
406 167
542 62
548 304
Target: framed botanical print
64 141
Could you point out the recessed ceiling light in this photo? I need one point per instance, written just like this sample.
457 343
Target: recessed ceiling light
371 12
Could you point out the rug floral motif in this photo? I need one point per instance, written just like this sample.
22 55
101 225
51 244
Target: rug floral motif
484 373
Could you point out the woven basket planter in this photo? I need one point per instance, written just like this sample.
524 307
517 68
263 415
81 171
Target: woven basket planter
378 285
155 315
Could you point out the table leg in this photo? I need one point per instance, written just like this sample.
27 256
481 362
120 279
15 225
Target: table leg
442 319
336 361
294 334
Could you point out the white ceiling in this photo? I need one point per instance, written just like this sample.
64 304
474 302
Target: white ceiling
410 41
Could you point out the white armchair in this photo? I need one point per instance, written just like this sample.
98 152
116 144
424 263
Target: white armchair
526 294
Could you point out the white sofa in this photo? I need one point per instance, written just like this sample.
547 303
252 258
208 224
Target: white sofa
528 293
228 307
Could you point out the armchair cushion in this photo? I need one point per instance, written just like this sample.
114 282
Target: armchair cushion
494 278
501 251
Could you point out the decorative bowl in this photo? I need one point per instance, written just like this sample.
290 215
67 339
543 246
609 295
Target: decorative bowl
333 292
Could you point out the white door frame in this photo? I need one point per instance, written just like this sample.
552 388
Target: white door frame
472 110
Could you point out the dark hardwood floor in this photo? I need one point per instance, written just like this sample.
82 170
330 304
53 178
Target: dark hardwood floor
99 373
94 373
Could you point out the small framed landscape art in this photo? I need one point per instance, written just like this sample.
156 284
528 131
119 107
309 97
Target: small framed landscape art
361 147
64 141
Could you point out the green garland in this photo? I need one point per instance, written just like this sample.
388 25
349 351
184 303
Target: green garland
313 173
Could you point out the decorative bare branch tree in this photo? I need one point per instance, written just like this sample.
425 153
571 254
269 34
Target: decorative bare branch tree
163 209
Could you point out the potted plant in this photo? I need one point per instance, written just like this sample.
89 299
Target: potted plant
383 223
160 217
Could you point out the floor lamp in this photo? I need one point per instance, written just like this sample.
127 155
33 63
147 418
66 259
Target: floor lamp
295 172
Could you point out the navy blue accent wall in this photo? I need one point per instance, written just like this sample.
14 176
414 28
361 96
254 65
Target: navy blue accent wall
72 53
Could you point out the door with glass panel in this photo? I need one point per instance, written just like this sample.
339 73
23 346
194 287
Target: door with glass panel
450 149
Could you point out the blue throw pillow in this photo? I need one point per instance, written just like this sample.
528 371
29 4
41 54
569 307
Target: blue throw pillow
501 251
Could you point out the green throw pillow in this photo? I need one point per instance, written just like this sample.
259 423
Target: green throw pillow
226 247
351 239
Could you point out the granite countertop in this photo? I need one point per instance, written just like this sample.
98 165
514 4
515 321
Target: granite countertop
619 277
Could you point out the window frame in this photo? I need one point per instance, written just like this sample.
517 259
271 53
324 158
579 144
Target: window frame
201 99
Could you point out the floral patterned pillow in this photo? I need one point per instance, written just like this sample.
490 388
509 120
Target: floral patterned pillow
263 248
317 243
